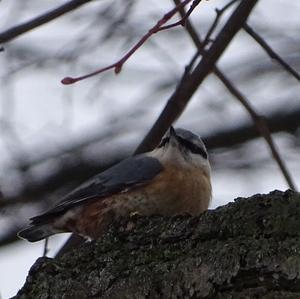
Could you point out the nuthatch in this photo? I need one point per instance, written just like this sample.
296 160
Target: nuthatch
172 179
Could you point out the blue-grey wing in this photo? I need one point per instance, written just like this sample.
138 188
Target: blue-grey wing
129 173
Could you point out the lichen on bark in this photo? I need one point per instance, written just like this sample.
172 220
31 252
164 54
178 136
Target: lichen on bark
247 249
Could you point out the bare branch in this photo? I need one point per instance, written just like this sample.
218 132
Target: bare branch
278 121
40 20
271 52
184 17
257 119
180 98
219 13
117 66
261 127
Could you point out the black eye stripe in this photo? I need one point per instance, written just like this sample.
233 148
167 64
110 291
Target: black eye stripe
192 147
187 144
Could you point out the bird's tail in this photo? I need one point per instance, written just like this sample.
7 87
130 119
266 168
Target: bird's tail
37 233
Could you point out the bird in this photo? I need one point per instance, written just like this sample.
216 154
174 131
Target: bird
173 179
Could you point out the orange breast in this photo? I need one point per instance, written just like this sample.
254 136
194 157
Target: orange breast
179 191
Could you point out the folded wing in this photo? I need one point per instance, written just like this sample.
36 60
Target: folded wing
124 176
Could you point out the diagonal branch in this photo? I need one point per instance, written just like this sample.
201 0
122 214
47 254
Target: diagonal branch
257 119
271 52
262 127
14 32
181 96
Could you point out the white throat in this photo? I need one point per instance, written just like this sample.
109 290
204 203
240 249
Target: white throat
172 154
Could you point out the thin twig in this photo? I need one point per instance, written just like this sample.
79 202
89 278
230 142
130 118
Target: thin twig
40 20
219 13
184 18
261 127
117 66
271 52
258 120
183 93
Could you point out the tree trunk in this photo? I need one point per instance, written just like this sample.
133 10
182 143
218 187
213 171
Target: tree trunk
246 249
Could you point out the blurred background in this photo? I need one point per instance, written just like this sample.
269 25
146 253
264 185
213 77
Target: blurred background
52 137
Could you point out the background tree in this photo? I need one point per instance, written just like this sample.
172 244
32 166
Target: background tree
53 136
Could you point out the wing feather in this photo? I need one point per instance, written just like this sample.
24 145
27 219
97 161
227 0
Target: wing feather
126 175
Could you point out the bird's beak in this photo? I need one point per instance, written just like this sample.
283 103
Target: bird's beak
172 131
172 134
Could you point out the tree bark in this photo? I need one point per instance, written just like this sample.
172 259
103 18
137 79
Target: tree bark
246 249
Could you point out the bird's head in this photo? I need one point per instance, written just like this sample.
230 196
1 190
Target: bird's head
183 146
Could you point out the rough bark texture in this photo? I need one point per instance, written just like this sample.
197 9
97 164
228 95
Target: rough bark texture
246 249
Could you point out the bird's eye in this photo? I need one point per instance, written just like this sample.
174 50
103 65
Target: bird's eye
194 148
164 141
